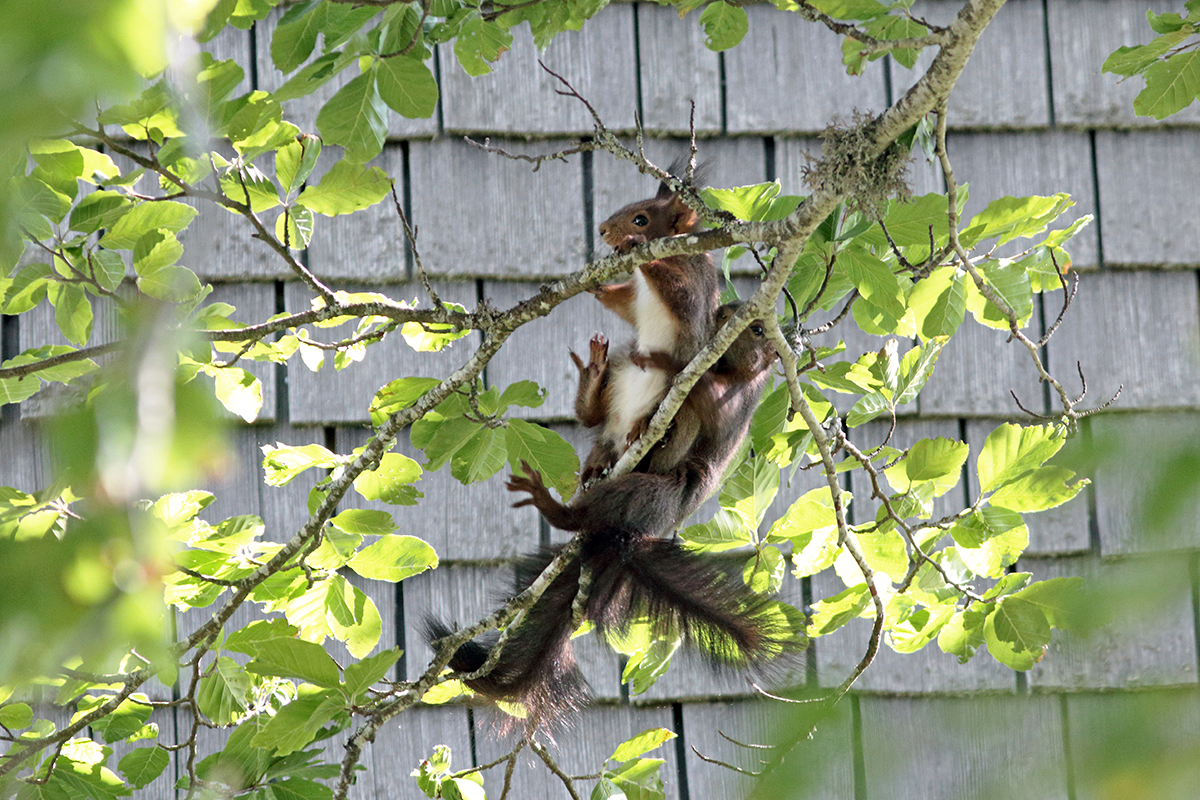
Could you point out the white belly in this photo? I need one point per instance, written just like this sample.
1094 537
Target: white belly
635 394
656 329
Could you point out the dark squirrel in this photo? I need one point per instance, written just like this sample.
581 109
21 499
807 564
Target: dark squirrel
629 570
671 303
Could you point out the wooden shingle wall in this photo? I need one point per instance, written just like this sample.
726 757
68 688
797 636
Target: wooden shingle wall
1032 114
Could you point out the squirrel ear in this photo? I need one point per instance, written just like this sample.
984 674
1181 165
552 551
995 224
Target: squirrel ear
684 219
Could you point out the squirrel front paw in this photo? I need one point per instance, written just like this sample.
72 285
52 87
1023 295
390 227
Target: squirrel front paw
530 482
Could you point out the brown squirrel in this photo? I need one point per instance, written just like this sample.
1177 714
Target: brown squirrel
671 304
631 571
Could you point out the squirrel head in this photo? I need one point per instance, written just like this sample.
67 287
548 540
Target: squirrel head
751 353
662 215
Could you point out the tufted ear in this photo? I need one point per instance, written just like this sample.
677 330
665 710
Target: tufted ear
685 220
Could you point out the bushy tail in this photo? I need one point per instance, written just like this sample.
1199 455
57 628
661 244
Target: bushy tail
693 596
537 666
682 594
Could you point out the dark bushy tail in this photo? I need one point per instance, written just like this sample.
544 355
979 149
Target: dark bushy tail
537 666
693 596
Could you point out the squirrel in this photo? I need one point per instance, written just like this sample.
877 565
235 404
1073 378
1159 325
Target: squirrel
671 304
626 570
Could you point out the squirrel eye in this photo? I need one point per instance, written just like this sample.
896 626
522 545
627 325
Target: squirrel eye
641 220
757 330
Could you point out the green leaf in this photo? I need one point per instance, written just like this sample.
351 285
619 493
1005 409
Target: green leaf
1132 60
108 268
391 481
294 227
811 511
365 522
239 391
1011 450
247 639
544 450
1171 86
919 627
28 288
296 35
352 617
223 694
763 571
346 188
874 280
364 674
910 221
725 531
294 162
394 558
1038 490
939 460
940 303
432 337
72 311
250 185
480 43
522 393
282 463
867 408
1017 633
1059 599
644 742
398 395
124 721
750 203
295 658
834 612
172 284
407 86
750 489
165 215
99 210
296 725
296 789
16 716
724 25
143 765
962 635
154 251
355 118
988 551
1008 218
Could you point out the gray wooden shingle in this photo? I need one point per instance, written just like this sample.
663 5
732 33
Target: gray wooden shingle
787 75
976 371
368 245
403 743
303 111
929 670
676 69
36 328
220 245
1138 330
951 748
329 396
580 749
1058 531
1150 640
538 351
484 215
519 97
1134 738
1148 227
461 523
1082 34
1004 84
24 466
1030 163
1139 476
818 767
